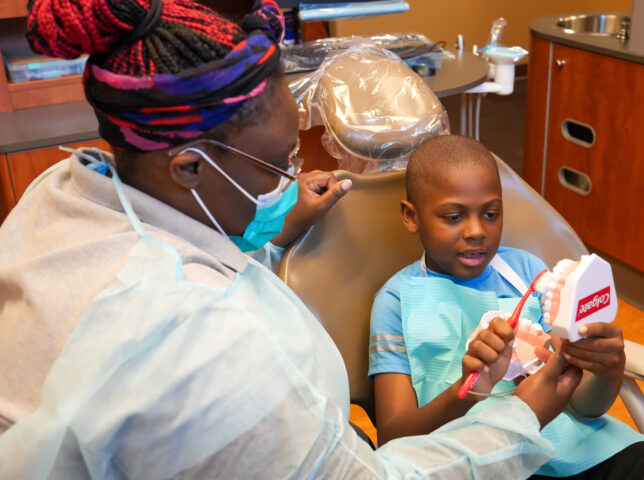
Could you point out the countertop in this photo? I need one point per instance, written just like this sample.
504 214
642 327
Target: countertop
458 74
64 123
48 126
546 29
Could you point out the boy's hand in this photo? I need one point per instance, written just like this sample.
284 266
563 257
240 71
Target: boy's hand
601 351
489 353
548 391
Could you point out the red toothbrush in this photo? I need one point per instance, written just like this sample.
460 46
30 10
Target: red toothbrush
538 285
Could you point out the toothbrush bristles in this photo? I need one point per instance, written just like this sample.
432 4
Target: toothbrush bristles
540 283
514 318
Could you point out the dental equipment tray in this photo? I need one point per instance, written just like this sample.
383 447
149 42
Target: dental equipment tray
309 56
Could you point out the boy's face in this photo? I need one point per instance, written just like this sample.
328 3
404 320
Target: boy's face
460 221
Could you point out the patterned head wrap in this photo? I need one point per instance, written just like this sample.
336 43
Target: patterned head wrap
154 111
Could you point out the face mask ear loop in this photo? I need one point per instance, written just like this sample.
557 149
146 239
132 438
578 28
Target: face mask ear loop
207 212
220 170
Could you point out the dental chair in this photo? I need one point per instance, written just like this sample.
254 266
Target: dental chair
337 267
376 111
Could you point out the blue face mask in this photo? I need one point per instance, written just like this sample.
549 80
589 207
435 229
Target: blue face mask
272 208
268 221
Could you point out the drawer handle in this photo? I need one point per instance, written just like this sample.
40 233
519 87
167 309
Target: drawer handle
574 180
577 132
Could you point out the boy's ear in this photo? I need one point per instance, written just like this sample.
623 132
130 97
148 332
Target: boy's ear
409 216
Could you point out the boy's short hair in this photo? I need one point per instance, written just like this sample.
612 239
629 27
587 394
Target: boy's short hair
438 155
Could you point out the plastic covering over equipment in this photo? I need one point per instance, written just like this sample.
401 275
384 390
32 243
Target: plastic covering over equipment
375 109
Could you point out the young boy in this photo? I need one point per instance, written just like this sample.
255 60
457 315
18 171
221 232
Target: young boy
423 316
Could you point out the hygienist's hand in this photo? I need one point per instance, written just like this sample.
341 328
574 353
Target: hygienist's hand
489 353
317 192
548 391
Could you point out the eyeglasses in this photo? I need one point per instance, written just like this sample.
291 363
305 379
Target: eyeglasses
294 162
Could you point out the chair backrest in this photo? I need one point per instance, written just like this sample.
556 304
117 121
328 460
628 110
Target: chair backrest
337 268
530 223
340 264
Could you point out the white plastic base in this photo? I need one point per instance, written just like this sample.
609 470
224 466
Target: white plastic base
588 296
504 76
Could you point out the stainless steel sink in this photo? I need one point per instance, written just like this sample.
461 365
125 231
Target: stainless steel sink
608 24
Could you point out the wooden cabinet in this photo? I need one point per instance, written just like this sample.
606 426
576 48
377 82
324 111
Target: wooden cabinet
584 150
18 170
33 93
13 8
311 150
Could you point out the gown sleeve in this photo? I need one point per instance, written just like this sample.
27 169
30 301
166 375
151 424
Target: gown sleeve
269 255
189 381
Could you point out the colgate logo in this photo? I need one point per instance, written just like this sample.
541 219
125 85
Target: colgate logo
592 303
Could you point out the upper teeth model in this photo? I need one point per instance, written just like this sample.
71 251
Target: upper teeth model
576 293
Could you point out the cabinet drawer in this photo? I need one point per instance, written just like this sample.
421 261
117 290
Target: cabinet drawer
13 8
606 95
18 170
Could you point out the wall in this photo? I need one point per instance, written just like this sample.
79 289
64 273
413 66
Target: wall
443 20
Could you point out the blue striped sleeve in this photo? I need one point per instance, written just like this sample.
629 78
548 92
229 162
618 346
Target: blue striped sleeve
387 352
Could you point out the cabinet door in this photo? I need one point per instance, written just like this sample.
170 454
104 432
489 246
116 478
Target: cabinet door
606 95
7 200
536 108
311 150
23 167
13 8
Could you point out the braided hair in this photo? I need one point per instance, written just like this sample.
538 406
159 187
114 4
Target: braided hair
187 34
161 72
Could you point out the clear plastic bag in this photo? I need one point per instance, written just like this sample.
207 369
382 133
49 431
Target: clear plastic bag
307 56
375 109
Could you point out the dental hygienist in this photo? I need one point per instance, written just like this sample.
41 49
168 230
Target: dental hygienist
138 340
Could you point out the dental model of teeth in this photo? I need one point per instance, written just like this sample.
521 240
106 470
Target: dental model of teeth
576 293
529 335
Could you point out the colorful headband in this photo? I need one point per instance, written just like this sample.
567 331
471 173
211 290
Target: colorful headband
155 112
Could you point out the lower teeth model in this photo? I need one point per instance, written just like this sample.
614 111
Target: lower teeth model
529 335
